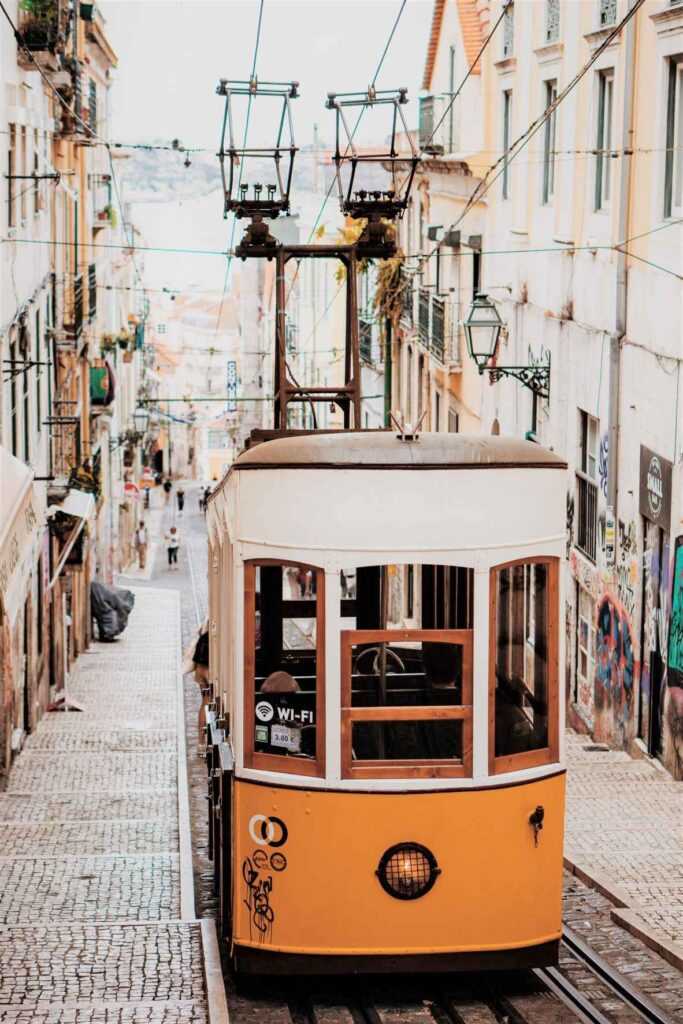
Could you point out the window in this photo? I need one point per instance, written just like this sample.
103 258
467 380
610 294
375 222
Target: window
14 396
586 485
608 12
509 30
92 105
23 168
549 143
406 670
673 162
39 382
437 411
552 21
523 666
453 421
406 703
284 663
451 92
36 172
476 273
603 142
11 171
507 129
585 649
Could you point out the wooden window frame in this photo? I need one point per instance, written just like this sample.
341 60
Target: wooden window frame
406 769
314 767
551 753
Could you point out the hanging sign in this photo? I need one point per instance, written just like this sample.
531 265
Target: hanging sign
610 534
655 488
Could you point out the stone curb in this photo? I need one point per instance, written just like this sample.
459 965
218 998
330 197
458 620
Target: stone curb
628 917
216 999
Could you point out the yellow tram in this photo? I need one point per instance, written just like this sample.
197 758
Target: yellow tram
385 731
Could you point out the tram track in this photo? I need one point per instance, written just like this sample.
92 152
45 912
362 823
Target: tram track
583 988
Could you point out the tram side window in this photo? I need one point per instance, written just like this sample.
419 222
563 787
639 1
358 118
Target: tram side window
524 672
283 665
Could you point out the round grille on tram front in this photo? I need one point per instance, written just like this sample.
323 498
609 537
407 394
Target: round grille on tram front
407 871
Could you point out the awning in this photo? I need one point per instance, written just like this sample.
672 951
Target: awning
80 505
18 521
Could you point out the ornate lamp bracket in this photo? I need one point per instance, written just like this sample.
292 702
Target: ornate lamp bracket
535 376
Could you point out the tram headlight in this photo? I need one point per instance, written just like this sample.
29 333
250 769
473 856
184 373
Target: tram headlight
407 871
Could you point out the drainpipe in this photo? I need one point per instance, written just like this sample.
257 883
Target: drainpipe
623 225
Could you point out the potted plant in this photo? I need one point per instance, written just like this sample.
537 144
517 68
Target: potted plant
39 24
107 344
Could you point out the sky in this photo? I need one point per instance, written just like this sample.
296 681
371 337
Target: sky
172 54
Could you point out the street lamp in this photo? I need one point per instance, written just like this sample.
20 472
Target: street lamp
141 420
482 327
482 330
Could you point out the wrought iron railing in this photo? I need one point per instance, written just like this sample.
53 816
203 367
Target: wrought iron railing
587 515
92 291
65 445
438 332
73 313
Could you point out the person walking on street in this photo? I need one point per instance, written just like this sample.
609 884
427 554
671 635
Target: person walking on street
141 544
167 490
172 539
207 495
180 498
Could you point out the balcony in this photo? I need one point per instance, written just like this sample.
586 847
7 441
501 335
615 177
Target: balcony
365 338
43 28
587 519
92 291
423 304
65 445
438 329
73 310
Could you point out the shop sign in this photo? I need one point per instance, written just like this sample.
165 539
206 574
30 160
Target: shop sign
655 488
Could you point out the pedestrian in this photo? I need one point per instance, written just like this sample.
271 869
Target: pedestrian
172 539
167 490
207 495
141 544
201 501
180 498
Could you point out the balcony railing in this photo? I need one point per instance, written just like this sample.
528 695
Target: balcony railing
73 312
438 333
365 338
65 445
587 519
92 291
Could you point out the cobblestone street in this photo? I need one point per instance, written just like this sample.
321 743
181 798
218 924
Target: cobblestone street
96 905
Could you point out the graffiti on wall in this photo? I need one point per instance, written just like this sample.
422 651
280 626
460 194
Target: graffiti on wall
674 709
627 566
603 461
570 521
615 666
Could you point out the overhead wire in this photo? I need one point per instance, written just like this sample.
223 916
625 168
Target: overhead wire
226 278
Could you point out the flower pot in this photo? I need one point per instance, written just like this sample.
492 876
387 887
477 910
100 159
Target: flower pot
127 356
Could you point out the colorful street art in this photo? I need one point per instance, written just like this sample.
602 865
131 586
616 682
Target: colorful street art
603 459
674 705
615 670
627 566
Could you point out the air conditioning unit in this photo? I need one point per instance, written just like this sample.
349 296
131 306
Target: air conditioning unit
434 125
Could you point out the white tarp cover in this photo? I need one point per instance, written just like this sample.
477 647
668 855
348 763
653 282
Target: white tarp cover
79 504
18 521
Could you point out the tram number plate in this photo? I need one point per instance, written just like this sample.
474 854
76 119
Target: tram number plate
285 736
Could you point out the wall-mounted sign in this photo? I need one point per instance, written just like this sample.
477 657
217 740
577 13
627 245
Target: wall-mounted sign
655 488
610 535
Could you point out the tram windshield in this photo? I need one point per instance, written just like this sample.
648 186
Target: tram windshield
406 670
283 661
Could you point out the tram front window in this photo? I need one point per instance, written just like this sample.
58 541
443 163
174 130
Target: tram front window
283 666
407 702
524 673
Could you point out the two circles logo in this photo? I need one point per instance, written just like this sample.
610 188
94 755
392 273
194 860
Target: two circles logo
268 831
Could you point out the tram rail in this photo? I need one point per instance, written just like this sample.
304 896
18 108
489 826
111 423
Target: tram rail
539 995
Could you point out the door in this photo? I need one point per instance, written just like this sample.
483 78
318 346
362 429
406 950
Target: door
653 664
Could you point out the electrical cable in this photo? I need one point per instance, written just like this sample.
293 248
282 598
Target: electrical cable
226 278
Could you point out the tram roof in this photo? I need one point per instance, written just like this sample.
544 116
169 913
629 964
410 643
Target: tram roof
386 450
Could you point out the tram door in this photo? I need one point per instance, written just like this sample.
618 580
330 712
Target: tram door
653 667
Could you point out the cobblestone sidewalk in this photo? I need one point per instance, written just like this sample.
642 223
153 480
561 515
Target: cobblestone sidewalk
97 919
625 831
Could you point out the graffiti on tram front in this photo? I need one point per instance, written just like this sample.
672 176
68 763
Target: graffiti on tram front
258 872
